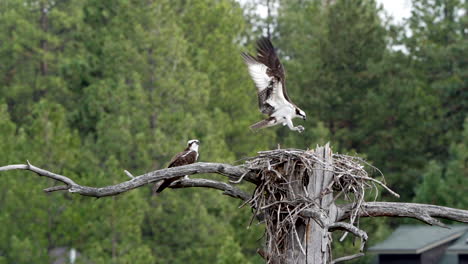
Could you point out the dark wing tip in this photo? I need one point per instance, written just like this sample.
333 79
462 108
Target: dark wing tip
249 59
264 44
266 54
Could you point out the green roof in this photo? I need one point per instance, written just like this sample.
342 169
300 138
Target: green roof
415 239
460 246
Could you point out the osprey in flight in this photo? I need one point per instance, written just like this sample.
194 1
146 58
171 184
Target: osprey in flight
268 75
188 156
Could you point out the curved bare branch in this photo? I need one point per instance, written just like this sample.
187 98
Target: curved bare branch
226 188
342 259
233 172
423 212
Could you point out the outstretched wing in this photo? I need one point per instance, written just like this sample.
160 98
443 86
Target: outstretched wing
263 82
266 55
267 73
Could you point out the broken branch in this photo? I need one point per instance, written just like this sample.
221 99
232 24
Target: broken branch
423 212
232 172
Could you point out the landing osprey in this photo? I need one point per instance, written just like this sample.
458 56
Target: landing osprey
268 75
188 156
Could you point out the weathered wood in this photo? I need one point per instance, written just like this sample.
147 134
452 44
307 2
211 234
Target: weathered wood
297 251
318 237
232 172
315 240
309 237
423 212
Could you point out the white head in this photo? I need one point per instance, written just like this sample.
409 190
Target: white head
193 144
300 113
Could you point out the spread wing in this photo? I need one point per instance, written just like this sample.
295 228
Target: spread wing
263 82
183 158
267 73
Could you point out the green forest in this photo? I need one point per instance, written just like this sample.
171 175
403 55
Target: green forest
89 88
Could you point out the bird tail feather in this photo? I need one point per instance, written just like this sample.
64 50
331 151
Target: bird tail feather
159 187
262 124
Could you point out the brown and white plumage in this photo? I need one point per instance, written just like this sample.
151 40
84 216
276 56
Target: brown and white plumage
268 75
188 156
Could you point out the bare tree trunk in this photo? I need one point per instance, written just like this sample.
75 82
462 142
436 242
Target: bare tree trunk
318 238
315 240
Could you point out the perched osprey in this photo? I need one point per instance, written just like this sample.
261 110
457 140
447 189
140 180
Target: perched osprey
188 156
268 75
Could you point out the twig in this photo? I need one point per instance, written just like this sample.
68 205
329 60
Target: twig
350 228
380 183
240 178
227 189
57 188
129 174
338 260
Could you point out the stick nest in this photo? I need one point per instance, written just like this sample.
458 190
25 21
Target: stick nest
282 193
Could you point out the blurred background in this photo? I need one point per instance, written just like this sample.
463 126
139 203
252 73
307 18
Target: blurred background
89 88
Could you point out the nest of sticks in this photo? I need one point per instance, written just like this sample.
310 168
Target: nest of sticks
285 174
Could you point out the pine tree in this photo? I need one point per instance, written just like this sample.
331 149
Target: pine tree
437 45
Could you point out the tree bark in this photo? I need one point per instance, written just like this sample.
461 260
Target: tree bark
310 238
315 242
318 238
311 241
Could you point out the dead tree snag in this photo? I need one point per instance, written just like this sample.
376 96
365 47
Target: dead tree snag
295 196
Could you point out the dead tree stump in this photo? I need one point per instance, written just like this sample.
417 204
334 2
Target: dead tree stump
316 234
295 197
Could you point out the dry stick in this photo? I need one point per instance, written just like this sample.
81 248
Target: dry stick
412 210
278 216
227 189
200 167
295 231
338 260
240 178
351 228
380 183
355 212
129 174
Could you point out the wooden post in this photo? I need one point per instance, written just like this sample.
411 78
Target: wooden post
318 238
315 245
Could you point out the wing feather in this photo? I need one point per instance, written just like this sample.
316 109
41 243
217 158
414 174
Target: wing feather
268 75
257 71
278 97
266 54
183 158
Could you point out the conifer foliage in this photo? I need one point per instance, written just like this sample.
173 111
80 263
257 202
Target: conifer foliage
89 88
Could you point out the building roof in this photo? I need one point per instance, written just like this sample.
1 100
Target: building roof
448 259
460 246
415 239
